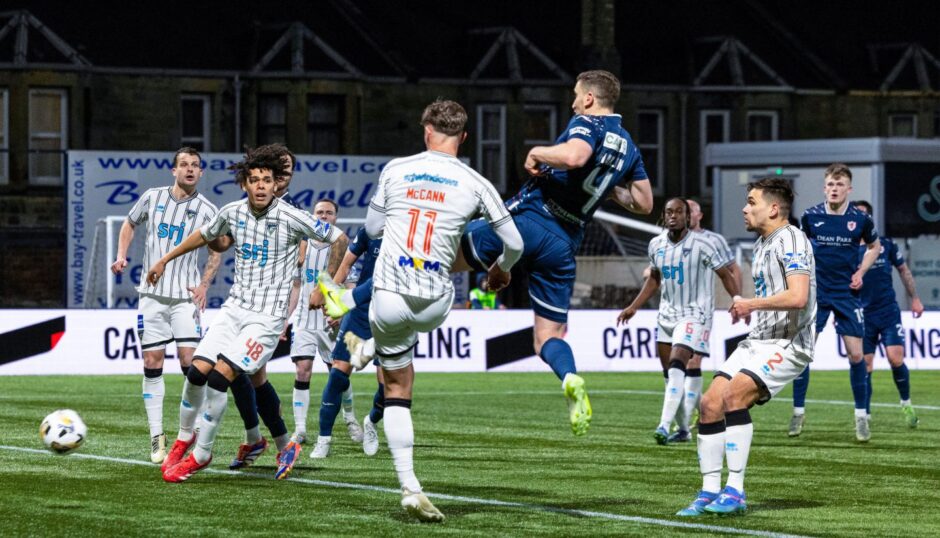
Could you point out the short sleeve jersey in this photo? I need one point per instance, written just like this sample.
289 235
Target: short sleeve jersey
835 241
266 250
427 200
168 222
784 252
564 201
687 283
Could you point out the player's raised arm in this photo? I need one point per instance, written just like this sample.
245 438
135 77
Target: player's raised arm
573 153
636 197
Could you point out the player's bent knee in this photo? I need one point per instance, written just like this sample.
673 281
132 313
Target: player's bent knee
197 377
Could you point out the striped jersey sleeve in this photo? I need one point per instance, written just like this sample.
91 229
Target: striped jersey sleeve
140 211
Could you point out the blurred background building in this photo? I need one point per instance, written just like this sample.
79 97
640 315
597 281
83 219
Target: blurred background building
351 77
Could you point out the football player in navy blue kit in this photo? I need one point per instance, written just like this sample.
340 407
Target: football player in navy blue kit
594 159
835 228
883 317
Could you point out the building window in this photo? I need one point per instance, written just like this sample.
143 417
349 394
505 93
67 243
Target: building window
4 137
540 125
48 136
714 128
325 124
649 138
272 119
902 125
491 144
195 121
763 125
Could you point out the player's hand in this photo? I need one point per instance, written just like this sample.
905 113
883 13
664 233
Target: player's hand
118 266
917 307
856 281
496 278
332 323
740 309
155 272
198 294
316 299
625 315
532 166
283 336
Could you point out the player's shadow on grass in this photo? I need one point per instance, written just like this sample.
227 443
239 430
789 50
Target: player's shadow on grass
784 504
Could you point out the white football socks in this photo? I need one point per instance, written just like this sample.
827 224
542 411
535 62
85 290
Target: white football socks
349 412
673 397
737 448
215 409
400 437
301 408
191 406
153 392
692 397
711 452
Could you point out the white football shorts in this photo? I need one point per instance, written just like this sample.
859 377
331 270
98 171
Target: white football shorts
690 333
768 363
396 321
161 320
246 339
309 344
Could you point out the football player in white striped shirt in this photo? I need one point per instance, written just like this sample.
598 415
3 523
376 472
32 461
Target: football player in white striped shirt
422 204
314 338
681 266
169 311
778 348
243 335
685 415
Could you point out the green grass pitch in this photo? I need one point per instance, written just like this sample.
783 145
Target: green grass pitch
497 447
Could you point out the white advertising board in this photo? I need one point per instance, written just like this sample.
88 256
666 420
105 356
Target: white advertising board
105 342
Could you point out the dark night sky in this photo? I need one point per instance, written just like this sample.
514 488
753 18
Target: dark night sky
659 41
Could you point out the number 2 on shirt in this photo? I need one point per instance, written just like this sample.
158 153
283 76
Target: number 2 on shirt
415 215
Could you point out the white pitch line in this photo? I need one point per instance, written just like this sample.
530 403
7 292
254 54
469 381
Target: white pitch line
552 393
444 496
644 392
